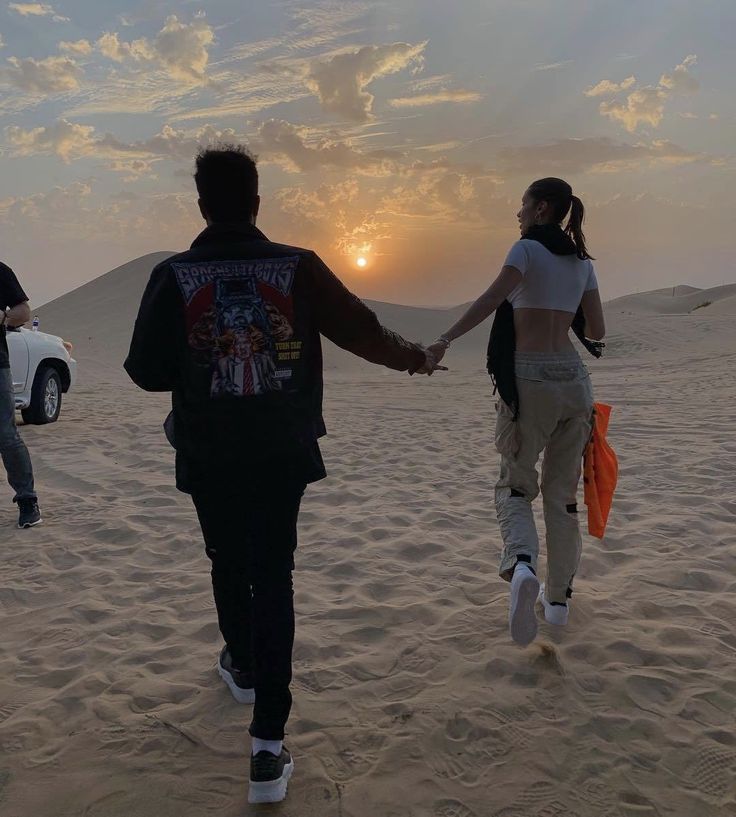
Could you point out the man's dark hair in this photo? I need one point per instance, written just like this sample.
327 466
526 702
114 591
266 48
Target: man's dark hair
227 182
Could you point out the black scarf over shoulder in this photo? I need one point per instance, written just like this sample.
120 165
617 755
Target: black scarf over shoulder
502 343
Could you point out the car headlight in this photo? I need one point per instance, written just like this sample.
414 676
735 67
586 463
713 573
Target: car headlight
68 346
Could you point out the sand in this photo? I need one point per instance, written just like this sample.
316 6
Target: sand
410 698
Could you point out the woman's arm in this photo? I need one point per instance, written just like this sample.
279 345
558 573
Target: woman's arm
595 325
508 279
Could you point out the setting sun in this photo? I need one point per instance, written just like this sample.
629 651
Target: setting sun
362 262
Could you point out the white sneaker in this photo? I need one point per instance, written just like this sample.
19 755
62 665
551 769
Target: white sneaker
554 613
522 618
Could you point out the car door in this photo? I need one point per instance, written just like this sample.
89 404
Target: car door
19 360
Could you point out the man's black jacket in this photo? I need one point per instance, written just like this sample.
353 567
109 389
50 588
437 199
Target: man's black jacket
232 328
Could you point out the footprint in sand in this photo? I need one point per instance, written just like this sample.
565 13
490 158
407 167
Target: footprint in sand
594 793
12 705
212 796
715 628
359 757
536 793
542 800
514 736
458 766
713 771
633 804
553 809
452 808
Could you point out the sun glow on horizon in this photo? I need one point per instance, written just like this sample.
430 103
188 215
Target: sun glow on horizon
362 261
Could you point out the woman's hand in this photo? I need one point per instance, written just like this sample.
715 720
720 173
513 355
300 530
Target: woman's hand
437 350
431 364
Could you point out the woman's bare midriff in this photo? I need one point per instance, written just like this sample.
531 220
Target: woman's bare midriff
543 330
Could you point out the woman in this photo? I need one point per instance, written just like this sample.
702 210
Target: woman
547 277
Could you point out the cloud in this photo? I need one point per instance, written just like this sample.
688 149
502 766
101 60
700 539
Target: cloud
181 49
340 83
46 76
36 206
607 88
68 215
440 192
110 46
332 216
64 139
297 149
79 47
436 98
681 81
70 141
598 154
37 10
552 66
644 105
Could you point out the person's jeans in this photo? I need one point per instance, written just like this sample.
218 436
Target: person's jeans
555 416
14 453
250 534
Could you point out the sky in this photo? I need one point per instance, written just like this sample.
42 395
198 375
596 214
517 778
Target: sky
403 133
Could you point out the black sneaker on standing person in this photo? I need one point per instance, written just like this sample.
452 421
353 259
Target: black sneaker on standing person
29 514
269 776
14 312
239 683
232 329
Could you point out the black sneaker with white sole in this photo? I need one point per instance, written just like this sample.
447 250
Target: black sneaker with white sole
269 776
29 514
239 683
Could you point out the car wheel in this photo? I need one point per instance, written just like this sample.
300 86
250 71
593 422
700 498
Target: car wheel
45 398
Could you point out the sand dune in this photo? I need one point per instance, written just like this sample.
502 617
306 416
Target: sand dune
410 701
98 317
664 302
724 306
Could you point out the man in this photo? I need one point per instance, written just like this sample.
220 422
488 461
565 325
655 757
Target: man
232 329
15 312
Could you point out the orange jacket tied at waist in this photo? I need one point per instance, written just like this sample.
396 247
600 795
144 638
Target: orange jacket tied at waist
600 472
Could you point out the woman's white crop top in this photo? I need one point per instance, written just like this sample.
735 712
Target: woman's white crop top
549 281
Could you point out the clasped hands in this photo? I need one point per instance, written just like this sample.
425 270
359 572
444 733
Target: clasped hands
434 354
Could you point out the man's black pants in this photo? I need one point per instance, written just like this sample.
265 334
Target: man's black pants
250 536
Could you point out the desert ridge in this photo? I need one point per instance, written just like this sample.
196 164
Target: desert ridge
98 316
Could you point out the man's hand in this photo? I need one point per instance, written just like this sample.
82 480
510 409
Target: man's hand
18 315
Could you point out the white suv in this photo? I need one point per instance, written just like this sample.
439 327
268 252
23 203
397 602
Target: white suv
43 369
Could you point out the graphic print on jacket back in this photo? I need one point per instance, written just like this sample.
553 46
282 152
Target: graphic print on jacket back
239 321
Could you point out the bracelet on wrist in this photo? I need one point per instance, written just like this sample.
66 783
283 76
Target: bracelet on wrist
444 341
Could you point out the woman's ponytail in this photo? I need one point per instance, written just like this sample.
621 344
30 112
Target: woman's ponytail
574 227
558 194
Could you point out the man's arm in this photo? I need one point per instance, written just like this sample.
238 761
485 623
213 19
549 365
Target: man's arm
345 320
13 299
152 363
